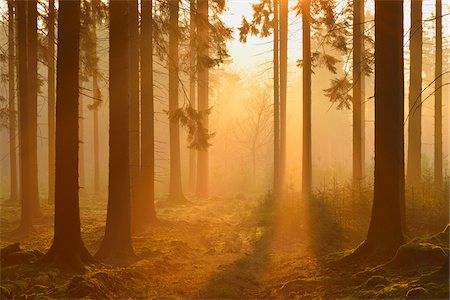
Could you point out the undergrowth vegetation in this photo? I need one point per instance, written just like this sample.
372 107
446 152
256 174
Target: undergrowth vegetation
247 246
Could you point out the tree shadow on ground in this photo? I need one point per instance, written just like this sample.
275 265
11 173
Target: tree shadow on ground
242 278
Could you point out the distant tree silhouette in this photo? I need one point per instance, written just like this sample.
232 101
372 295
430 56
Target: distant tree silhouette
192 85
413 167
67 250
147 180
438 176
203 91
175 189
96 95
31 151
284 11
306 77
261 25
14 192
25 126
51 99
276 101
358 93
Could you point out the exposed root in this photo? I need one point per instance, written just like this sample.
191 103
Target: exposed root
73 262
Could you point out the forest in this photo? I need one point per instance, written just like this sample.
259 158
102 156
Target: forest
224 149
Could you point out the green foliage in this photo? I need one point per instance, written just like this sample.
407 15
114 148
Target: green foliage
219 34
262 22
338 92
332 32
91 11
192 120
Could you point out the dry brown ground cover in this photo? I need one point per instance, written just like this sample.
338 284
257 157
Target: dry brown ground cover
239 248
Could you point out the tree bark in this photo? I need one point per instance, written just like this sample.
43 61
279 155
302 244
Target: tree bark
14 197
203 92
276 103
67 250
134 112
415 100
306 159
175 192
116 247
358 93
148 212
51 101
283 86
97 101
438 177
385 231
81 180
32 95
192 83
26 192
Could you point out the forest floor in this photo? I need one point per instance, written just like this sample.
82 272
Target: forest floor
238 248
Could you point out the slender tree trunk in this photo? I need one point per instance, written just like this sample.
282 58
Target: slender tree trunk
254 167
81 180
97 101
134 112
415 100
24 122
148 212
51 101
32 95
176 192
96 153
19 168
276 103
283 86
67 250
14 197
306 160
192 83
116 247
438 100
358 93
385 231
203 92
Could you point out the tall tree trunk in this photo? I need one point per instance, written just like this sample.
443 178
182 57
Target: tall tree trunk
14 197
306 159
415 100
203 92
358 93
133 87
67 250
283 86
32 95
24 122
385 231
116 247
438 100
97 101
81 180
19 168
175 190
51 101
276 103
192 82
147 180
96 153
